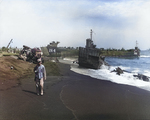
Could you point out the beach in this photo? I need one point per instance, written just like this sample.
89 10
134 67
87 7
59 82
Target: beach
94 99
74 96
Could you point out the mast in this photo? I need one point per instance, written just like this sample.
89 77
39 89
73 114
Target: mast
136 43
91 34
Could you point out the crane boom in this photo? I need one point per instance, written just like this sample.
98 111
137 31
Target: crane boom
9 43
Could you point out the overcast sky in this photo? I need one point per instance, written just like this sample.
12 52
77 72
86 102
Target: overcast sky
116 23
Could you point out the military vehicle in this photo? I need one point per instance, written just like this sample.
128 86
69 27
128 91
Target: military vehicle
30 54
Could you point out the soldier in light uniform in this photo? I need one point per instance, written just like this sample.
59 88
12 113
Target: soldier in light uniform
40 76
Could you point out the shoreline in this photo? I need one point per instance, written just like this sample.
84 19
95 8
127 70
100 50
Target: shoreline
124 79
90 98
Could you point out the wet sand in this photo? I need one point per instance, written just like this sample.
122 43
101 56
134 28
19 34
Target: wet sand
74 96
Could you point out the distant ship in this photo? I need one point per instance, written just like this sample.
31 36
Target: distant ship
90 56
127 54
137 50
132 53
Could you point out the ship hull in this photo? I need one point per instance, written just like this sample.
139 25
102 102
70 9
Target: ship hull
90 58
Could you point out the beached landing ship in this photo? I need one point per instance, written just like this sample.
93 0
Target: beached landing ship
90 56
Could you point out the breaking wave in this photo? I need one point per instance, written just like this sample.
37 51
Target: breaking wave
132 66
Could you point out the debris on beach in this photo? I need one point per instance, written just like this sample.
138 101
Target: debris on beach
142 77
30 54
76 61
119 71
11 67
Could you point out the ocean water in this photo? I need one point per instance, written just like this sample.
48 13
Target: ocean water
135 66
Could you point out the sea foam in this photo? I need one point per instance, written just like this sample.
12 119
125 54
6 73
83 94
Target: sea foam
105 74
135 66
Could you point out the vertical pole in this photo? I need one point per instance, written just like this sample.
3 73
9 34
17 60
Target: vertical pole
91 33
136 43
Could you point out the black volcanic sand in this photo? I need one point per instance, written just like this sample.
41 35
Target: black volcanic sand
74 97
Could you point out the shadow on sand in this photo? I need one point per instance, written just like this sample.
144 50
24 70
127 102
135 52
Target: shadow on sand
29 92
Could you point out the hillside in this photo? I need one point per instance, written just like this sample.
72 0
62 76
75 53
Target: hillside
11 70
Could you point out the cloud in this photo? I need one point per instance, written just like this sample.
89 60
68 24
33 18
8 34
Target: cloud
36 23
